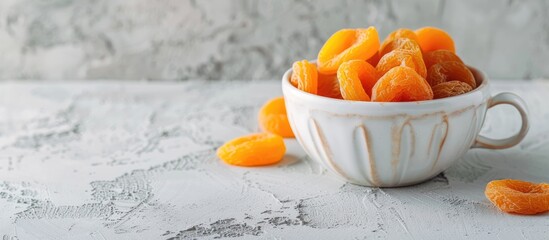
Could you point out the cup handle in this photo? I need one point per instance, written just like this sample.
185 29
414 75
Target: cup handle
518 103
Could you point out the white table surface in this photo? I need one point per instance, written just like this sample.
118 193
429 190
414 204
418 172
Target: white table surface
120 160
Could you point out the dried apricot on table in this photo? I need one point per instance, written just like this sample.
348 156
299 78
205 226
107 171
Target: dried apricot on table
401 84
515 196
402 44
431 38
253 150
450 88
448 71
305 75
273 118
399 33
356 79
437 56
401 58
328 86
345 45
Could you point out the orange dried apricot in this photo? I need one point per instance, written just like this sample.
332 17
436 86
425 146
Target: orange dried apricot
402 44
401 58
345 45
399 33
356 79
450 88
437 56
401 84
447 71
328 86
515 196
273 118
431 38
253 150
305 75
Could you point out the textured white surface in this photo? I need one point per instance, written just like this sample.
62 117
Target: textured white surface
136 161
248 39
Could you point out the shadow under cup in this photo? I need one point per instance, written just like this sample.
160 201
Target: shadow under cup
394 144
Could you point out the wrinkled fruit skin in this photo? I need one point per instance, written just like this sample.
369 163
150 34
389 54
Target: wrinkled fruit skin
253 150
401 58
351 61
401 44
448 71
451 88
433 57
515 196
356 79
401 84
273 118
305 76
399 33
328 86
346 45
431 38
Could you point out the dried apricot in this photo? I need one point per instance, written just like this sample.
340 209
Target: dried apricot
253 150
401 58
356 79
345 45
401 84
273 118
328 86
447 71
399 33
431 38
306 76
515 196
450 88
437 56
402 44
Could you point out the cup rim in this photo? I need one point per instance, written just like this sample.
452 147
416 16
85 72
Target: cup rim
480 76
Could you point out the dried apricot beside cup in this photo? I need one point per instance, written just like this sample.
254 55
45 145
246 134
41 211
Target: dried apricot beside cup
273 118
345 45
253 150
515 196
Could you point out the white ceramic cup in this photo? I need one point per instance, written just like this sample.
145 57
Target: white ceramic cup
395 144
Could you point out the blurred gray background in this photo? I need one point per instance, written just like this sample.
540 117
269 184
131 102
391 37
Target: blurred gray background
248 39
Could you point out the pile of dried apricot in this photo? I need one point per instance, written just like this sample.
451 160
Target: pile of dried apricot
353 64
407 66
